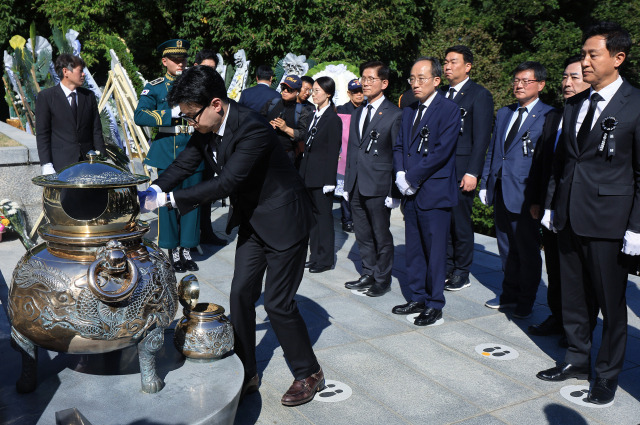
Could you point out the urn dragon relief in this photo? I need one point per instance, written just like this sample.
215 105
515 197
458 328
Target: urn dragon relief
95 285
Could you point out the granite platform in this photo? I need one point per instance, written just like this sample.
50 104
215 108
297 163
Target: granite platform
385 370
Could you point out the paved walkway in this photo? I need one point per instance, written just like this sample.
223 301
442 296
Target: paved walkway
400 373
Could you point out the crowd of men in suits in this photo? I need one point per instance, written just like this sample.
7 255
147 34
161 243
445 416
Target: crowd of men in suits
576 171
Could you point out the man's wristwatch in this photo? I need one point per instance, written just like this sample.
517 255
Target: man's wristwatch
168 204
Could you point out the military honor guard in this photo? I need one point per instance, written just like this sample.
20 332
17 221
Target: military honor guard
177 233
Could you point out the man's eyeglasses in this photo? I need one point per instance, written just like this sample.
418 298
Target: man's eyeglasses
287 89
369 80
421 80
525 82
193 119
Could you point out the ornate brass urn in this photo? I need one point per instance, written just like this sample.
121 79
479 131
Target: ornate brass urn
95 285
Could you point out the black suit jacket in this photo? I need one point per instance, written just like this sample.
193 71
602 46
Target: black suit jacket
601 194
373 169
542 162
267 194
475 127
320 161
62 139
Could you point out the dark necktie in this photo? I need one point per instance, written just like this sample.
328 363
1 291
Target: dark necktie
416 123
514 129
451 93
213 146
315 121
585 128
366 120
74 105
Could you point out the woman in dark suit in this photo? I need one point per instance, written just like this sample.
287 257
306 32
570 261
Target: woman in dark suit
318 169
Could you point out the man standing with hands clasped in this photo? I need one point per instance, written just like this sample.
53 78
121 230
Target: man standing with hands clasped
369 180
476 110
424 162
593 202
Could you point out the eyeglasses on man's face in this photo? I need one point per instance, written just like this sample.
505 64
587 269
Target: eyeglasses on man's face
369 80
525 82
420 80
193 119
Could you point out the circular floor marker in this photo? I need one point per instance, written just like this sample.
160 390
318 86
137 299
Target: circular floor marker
577 394
412 317
496 351
359 292
334 391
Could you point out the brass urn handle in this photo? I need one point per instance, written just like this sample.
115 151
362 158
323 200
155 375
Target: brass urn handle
113 276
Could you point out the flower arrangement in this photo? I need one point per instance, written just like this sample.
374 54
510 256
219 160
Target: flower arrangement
12 217
239 81
341 72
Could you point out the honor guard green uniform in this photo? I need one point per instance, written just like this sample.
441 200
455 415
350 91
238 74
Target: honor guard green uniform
153 110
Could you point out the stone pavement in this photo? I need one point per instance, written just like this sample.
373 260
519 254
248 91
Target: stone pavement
399 373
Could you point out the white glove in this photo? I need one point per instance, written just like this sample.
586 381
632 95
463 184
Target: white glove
152 199
345 195
327 189
401 182
483 197
391 203
547 220
631 243
48 169
411 191
175 112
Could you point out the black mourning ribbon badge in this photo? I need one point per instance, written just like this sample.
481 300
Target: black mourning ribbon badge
463 113
424 140
373 138
527 145
312 134
608 125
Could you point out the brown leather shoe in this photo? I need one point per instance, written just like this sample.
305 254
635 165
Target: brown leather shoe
251 386
303 390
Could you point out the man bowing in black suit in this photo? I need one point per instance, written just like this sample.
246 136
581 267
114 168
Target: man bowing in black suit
476 110
269 203
67 119
593 202
368 182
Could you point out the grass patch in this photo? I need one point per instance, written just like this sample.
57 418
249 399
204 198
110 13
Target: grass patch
6 141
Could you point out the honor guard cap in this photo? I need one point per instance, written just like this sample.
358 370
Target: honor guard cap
354 84
292 81
175 47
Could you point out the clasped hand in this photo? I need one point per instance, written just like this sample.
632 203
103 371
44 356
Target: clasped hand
403 185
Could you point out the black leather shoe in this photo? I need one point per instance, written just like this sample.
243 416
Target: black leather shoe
408 308
551 326
603 391
364 282
428 317
456 283
378 289
318 269
347 227
187 261
563 372
309 264
176 261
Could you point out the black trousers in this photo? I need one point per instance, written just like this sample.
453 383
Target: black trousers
322 237
552 261
460 238
594 276
284 272
371 221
